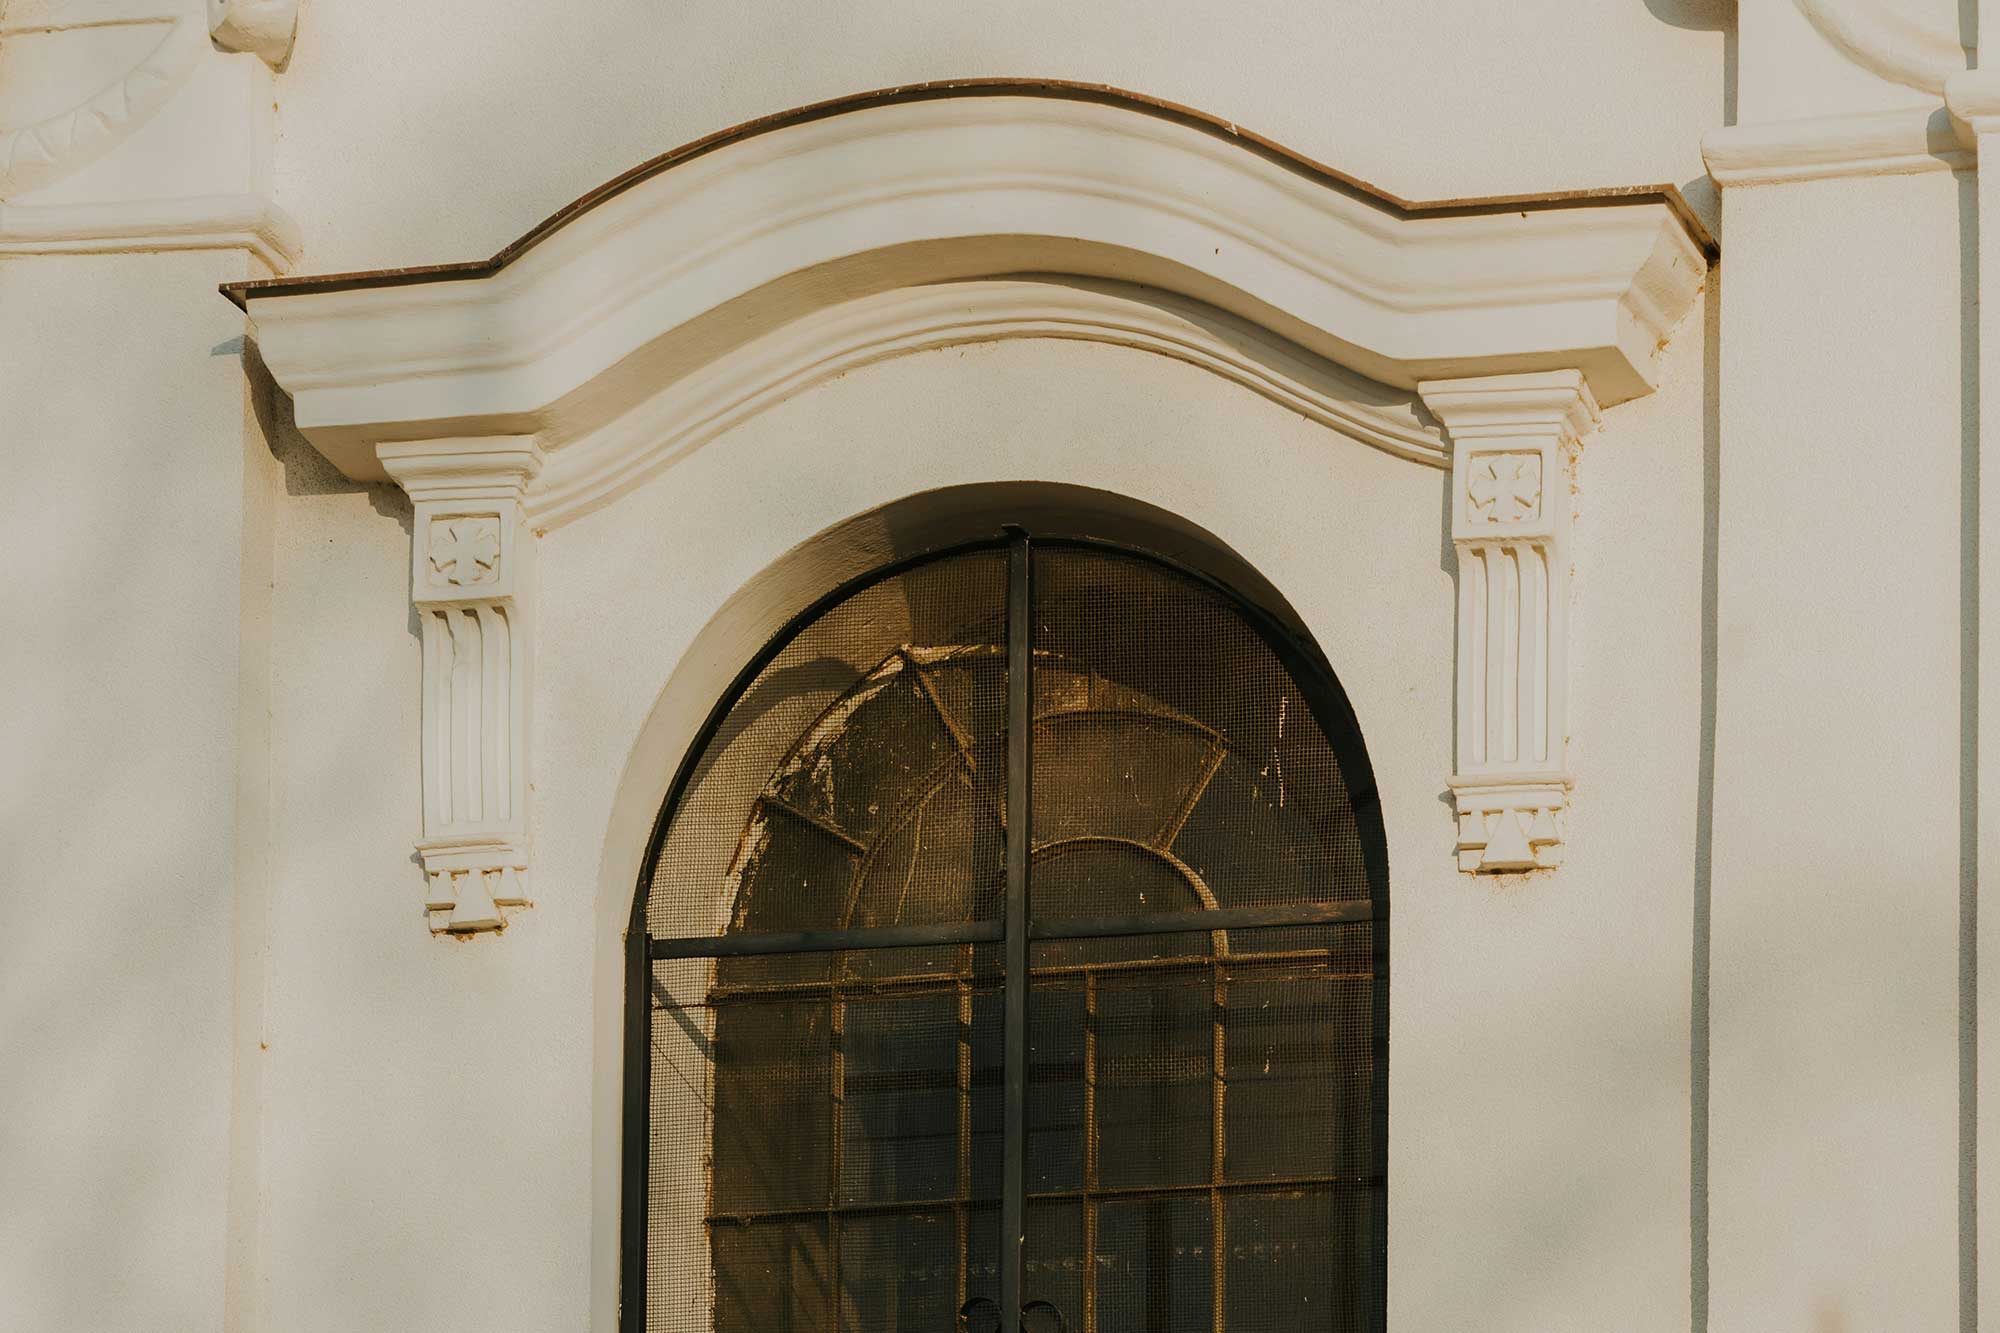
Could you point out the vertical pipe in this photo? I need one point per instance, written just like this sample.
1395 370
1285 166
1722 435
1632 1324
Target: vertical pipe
1218 1148
837 1150
1020 827
961 1209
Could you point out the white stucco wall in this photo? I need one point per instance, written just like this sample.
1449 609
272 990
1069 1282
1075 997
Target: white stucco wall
285 1098
458 1105
133 517
415 134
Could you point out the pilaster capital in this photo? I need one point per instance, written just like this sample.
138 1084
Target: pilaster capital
1554 402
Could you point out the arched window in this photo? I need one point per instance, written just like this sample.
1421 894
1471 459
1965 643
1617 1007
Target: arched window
906 1064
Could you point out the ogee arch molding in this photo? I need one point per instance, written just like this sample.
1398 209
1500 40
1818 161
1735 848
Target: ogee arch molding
695 261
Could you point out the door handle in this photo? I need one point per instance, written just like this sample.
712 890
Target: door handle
987 1311
1060 1325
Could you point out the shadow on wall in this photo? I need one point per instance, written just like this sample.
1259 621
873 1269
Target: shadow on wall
306 470
1701 15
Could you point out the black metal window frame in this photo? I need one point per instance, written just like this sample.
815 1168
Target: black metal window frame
1017 927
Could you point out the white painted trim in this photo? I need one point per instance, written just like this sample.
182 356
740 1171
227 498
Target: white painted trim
472 582
668 275
210 222
594 471
1888 42
1514 441
1866 143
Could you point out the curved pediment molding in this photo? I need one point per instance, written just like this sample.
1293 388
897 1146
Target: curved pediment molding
511 395
595 470
675 271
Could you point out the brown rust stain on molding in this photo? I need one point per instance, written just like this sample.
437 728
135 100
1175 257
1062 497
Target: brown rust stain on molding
1615 196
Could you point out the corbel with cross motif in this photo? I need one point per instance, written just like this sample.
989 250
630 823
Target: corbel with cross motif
1512 438
472 583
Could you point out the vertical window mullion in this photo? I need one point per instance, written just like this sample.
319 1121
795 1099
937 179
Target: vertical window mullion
1090 1182
837 1146
1218 1154
962 1209
1020 826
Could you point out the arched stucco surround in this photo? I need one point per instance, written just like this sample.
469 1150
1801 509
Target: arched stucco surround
608 393
827 557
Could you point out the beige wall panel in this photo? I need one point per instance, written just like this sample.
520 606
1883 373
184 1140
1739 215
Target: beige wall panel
1834 1163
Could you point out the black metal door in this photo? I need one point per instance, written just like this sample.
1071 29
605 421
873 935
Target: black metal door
1093 1039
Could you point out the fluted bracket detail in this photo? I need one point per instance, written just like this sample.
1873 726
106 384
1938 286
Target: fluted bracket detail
1512 439
471 581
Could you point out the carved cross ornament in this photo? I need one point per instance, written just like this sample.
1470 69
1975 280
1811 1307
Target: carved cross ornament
1509 435
465 552
1504 488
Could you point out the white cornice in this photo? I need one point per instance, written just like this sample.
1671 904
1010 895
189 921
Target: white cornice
211 222
1867 143
682 269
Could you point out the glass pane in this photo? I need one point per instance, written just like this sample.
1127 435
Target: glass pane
1169 720
1300 1091
1054 1263
1155 1079
1300 1262
899 1272
900 1104
773 1104
1155 1265
892 699
773 1277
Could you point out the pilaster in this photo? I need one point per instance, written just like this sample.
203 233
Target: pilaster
1973 98
1512 440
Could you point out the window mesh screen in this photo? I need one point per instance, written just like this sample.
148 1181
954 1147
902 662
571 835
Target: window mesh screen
1203 1122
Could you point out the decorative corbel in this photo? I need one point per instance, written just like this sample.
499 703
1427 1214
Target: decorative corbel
1512 439
472 582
